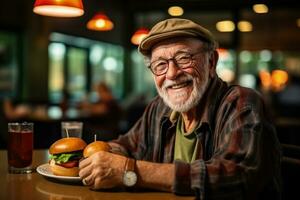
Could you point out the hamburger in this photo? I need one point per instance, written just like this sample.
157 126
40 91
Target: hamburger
95 147
65 155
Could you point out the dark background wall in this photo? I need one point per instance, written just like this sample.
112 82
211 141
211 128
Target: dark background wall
272 31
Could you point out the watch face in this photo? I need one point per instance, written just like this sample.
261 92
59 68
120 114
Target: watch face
129 178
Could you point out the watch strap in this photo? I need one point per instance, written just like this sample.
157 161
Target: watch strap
130 176
130 164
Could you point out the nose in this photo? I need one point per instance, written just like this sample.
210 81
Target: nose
173 70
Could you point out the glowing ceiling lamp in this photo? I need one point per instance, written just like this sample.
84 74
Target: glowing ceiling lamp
225 26
139 35
59 8
175 11
100 22
245 26
260 8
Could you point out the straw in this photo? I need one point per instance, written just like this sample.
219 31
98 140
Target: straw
95 138
67 132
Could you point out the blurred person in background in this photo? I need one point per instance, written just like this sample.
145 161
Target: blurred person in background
15 112
106 103
104 115
199 136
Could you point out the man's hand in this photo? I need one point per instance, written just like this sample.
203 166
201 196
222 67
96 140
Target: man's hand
102 170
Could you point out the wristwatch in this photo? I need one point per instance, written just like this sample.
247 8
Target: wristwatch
129 177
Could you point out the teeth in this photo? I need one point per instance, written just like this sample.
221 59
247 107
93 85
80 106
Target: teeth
179 85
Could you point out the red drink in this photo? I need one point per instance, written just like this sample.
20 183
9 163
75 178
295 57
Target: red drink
20 147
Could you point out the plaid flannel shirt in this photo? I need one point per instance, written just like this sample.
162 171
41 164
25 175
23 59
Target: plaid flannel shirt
239 154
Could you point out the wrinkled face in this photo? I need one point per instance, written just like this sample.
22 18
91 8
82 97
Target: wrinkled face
182 88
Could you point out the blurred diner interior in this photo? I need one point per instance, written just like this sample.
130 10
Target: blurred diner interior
50 67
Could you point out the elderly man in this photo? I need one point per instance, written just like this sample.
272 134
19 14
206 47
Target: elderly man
199 136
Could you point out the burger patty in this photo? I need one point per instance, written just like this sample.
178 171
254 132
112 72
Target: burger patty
69 164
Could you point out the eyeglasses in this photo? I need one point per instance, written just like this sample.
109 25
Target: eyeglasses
182 60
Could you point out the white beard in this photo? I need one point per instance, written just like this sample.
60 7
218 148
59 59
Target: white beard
200 85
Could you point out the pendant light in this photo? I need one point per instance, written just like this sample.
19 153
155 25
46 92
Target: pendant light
139 35
59 8
100 22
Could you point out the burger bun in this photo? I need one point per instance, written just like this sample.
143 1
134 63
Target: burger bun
67 145
95 147
63 171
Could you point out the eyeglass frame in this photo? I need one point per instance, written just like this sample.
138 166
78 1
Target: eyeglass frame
191 57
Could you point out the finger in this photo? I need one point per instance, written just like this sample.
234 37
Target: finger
97 184
84 181
85 162
84 172
103 179
89 180
100 183
107 173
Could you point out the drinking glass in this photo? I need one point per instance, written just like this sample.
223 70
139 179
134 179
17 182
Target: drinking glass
20 147
71 129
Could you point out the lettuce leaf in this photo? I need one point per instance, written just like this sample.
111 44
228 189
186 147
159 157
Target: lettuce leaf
65 157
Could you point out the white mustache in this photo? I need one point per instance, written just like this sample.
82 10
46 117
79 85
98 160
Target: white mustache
184 78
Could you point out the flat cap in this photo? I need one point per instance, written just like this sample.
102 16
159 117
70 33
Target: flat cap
174 27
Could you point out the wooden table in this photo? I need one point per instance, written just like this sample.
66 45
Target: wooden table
36 187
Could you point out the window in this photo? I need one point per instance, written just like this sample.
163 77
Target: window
142 76
8 64
225 66
57 53
77 64
76 77
107 66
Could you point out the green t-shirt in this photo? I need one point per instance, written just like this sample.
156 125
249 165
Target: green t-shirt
186 144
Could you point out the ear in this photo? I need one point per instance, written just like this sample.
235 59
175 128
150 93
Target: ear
213 60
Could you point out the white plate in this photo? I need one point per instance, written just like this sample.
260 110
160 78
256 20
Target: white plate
44 170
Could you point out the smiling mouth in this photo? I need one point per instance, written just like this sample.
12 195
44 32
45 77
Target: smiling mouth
180 85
